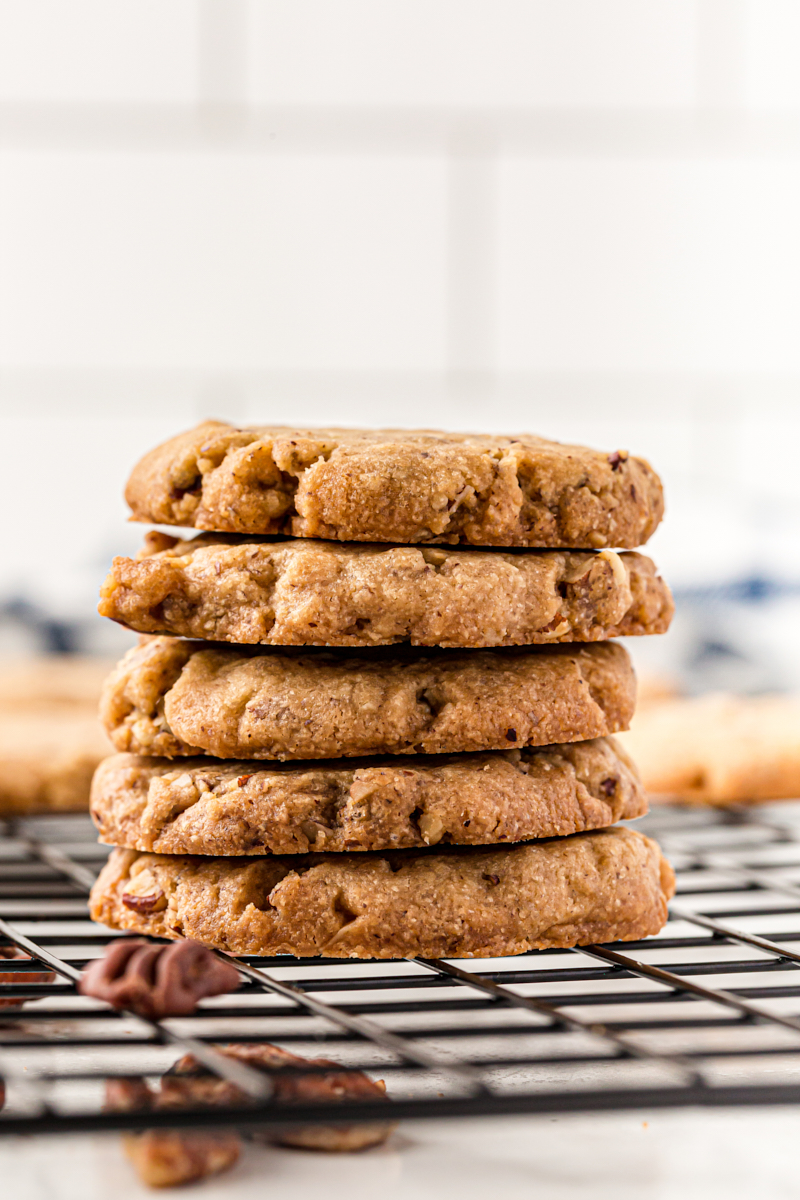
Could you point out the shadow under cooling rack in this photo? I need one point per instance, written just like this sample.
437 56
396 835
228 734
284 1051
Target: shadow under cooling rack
707 1013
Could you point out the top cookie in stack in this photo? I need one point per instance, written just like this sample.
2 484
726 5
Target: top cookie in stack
397 486
489 737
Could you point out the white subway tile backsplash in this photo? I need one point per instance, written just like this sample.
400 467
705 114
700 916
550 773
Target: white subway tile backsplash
473 53
216 261
771 52
766 461
98 51
645 265
63 485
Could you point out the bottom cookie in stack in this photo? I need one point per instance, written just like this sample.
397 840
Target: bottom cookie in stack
602 886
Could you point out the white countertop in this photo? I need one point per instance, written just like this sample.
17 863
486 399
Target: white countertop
741 1154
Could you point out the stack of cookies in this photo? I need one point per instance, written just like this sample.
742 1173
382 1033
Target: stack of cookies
371 713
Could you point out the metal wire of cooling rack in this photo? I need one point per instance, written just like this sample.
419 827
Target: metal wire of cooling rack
707 1013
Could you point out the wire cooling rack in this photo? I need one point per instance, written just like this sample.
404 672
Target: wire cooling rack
707 1013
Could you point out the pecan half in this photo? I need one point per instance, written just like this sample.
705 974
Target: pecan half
169 1157
157 981
329 1087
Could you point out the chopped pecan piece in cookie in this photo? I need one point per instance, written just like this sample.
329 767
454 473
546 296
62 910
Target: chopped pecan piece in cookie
157 981
145 904
144 895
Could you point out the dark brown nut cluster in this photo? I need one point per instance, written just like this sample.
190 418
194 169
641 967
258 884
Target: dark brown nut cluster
157 981
170 1157
18 977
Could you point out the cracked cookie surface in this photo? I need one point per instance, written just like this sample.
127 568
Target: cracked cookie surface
466 903
205 806
179 698
397 486
232 589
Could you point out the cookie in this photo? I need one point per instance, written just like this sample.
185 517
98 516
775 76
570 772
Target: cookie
50 738
48 755
204 806
312 593
69 682
467 903
397 486
719 749
174 698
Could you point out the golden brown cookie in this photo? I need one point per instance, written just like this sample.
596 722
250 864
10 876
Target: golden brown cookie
171 697
205 806
311 593
69 682
47 759
466 903
397 486
719 749
50 737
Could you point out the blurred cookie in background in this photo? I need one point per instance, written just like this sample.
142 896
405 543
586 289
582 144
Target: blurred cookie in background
717 749
652 688
50 737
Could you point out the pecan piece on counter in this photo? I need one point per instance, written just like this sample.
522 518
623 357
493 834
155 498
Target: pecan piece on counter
169 1157
331 1087
19 977
157 981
